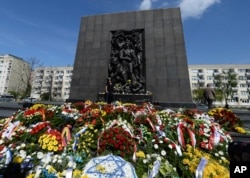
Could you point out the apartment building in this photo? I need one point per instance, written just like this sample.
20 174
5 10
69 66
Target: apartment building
52 80
14 74
201 75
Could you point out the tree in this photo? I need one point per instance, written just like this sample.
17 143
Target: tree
34 63
224 83
45 96
198 95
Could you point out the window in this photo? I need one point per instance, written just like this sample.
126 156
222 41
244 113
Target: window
241 70
194 71
194 78
244 93
210 71
210 77
242 77
242 85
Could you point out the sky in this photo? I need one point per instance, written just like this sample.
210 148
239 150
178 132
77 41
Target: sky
215 31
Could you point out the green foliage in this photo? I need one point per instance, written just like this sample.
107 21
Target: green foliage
198 95
45 96
15 94
224 84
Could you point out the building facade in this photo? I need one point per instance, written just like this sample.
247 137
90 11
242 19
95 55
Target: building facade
52 80
14 74
201 75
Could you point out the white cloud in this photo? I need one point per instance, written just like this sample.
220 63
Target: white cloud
145 5
195 8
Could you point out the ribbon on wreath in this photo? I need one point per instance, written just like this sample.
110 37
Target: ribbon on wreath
77 135
200 169
10 129
42 111
174 145
66 135
181 128
151 124
214 138
134 155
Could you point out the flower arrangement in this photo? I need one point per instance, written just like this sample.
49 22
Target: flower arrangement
226 118
59 141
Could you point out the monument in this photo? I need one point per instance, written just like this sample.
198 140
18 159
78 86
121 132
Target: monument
143 52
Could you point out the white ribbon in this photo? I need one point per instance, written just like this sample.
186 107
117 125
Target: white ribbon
200 168
76 137
155 170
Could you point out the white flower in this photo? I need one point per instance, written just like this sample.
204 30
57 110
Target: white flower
154 155
170 146
153 140
156 146
158 158
23 153
18 147
206 130
39 155
70 164
221 152
160 141
216 154
223 158
145 161
1 142
163 152
23 145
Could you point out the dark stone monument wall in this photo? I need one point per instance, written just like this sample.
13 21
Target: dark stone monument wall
166 64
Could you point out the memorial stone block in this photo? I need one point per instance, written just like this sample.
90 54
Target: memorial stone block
142 51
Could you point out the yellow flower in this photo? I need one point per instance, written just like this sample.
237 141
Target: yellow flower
186 161
50 148
37 106
55 148
77 173
240 130
100 168
31 176
17 159
51 169
46 140
84 176
140 154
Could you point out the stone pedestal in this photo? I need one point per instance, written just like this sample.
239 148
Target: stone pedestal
128 98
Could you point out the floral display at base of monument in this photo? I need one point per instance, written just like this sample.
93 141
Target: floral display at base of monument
87 139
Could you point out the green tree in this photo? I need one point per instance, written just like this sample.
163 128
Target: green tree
45 96
224 83
198 95
15 94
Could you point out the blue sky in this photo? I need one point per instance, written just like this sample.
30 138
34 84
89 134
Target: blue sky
215 31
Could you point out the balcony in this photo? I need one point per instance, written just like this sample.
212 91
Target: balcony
200 74
201 81
247 73
216 73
